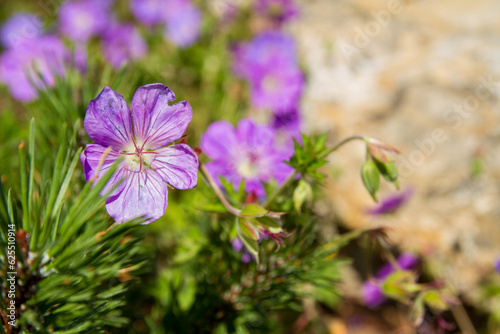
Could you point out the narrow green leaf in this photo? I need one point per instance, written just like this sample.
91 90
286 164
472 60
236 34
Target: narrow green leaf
31 157
67 179
24 188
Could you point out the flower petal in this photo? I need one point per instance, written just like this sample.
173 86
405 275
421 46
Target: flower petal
219 141
255 136
177 165
108 121
92 156
155 121
144 195
224 169
255 186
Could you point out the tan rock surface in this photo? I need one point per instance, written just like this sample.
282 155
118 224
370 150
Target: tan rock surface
417 81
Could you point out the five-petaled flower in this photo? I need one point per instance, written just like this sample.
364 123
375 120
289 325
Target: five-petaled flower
245 153
143 137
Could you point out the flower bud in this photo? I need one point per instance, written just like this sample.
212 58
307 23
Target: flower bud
370 175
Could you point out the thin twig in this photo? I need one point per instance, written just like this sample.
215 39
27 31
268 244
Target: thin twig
219 193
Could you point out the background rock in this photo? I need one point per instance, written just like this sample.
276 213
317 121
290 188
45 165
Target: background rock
422 79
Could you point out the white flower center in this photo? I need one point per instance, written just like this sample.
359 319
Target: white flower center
247 169
137 157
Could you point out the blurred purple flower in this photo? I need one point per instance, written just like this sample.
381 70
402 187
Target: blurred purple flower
181 17
262 52
183 23
270 65
141 137
245 153
149 12
238 246
392 203
36 61
79 57
371 291
497 265
277 88
80 20
287 127
280 10
20 28
121 43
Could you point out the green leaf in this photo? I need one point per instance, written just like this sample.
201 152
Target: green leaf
319 144
371 178
253 211
187 293
435 301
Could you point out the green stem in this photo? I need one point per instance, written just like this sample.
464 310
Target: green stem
342 142
463 320
219 193
277 191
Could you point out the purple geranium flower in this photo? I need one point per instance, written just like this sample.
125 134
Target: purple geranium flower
392 203
277 88
183 23
280 10
149 12
497 265
20 28
269 63
245 153
121 43
262 52
287 127
142 137
81 20
372 293
35 61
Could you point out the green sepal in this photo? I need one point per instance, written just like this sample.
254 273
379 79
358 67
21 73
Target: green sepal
249 236
253 211
434 300
388 170
269 224
370 175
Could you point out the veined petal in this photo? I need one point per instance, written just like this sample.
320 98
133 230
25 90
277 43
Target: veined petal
143 195
177 165
219 141
108 121
157 123
92 157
